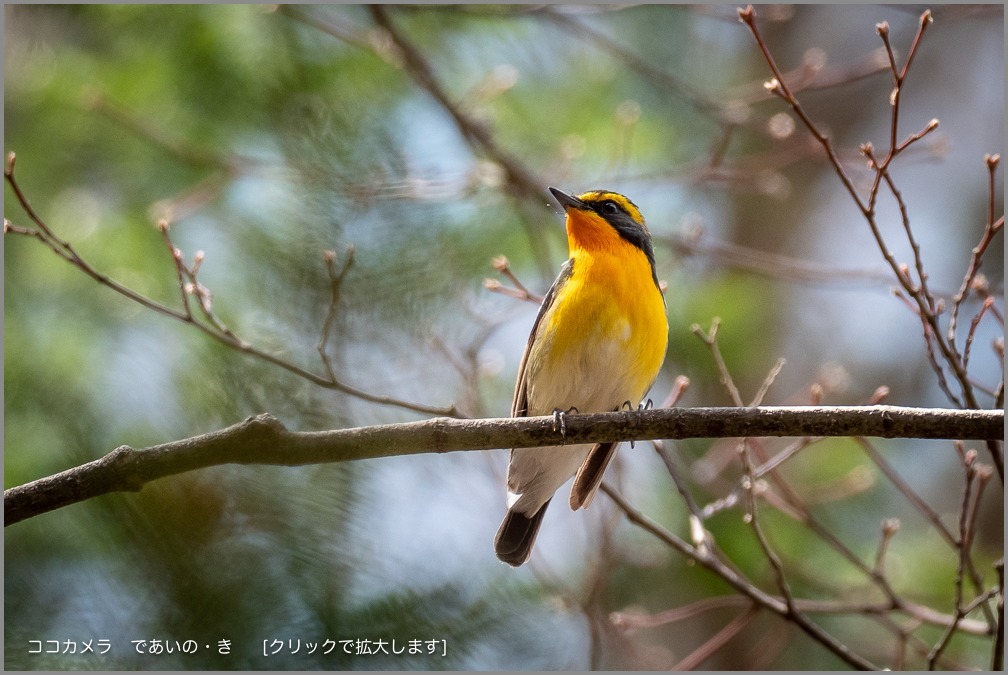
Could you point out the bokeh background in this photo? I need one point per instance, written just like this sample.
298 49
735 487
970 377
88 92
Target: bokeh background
268 135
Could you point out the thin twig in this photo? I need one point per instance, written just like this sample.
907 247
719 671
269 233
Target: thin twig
791 503
709 338
925 510
335 286
397 50
190 153
890 526
738 582
969 461
985 308
752 519
628 620
994 226
779 87
212 325
520 292
693 660
176 256
768 382
926 306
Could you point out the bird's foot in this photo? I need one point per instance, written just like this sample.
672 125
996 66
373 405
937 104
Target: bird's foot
628 406
560 421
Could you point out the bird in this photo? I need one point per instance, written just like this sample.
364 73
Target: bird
597 345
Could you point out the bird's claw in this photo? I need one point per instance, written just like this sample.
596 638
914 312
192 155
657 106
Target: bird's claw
647 405
560 421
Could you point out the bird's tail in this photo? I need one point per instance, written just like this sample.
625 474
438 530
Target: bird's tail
517 534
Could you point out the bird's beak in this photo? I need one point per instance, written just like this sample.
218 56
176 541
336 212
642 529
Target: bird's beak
567 201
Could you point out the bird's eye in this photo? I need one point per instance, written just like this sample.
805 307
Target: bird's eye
610 208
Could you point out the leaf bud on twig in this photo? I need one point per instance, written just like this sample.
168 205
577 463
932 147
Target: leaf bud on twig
816 393
500 263
678 389
880 394
890 526
980 283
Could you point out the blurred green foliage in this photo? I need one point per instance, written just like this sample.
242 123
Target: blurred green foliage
268 135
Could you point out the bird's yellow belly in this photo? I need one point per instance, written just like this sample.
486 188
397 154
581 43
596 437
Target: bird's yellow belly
602 343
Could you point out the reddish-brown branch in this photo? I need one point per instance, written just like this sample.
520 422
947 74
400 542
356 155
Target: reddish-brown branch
926 306
738 582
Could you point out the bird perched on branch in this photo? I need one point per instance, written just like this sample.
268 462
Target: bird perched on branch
597 345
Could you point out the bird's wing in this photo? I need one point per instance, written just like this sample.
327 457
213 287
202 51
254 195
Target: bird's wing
519 405
589 476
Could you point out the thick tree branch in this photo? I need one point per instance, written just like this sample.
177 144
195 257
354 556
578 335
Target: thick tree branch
264 440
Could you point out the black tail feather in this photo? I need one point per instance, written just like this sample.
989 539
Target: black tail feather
516 536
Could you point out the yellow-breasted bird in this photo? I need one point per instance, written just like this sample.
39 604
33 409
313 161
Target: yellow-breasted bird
598 343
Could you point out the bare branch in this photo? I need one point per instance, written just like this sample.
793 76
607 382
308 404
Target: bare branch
210 324
709 338
335 286
718 640
929 514
966 514
779 87
771 265
994 226
923 300
264 440
519 292
394 47
737 581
